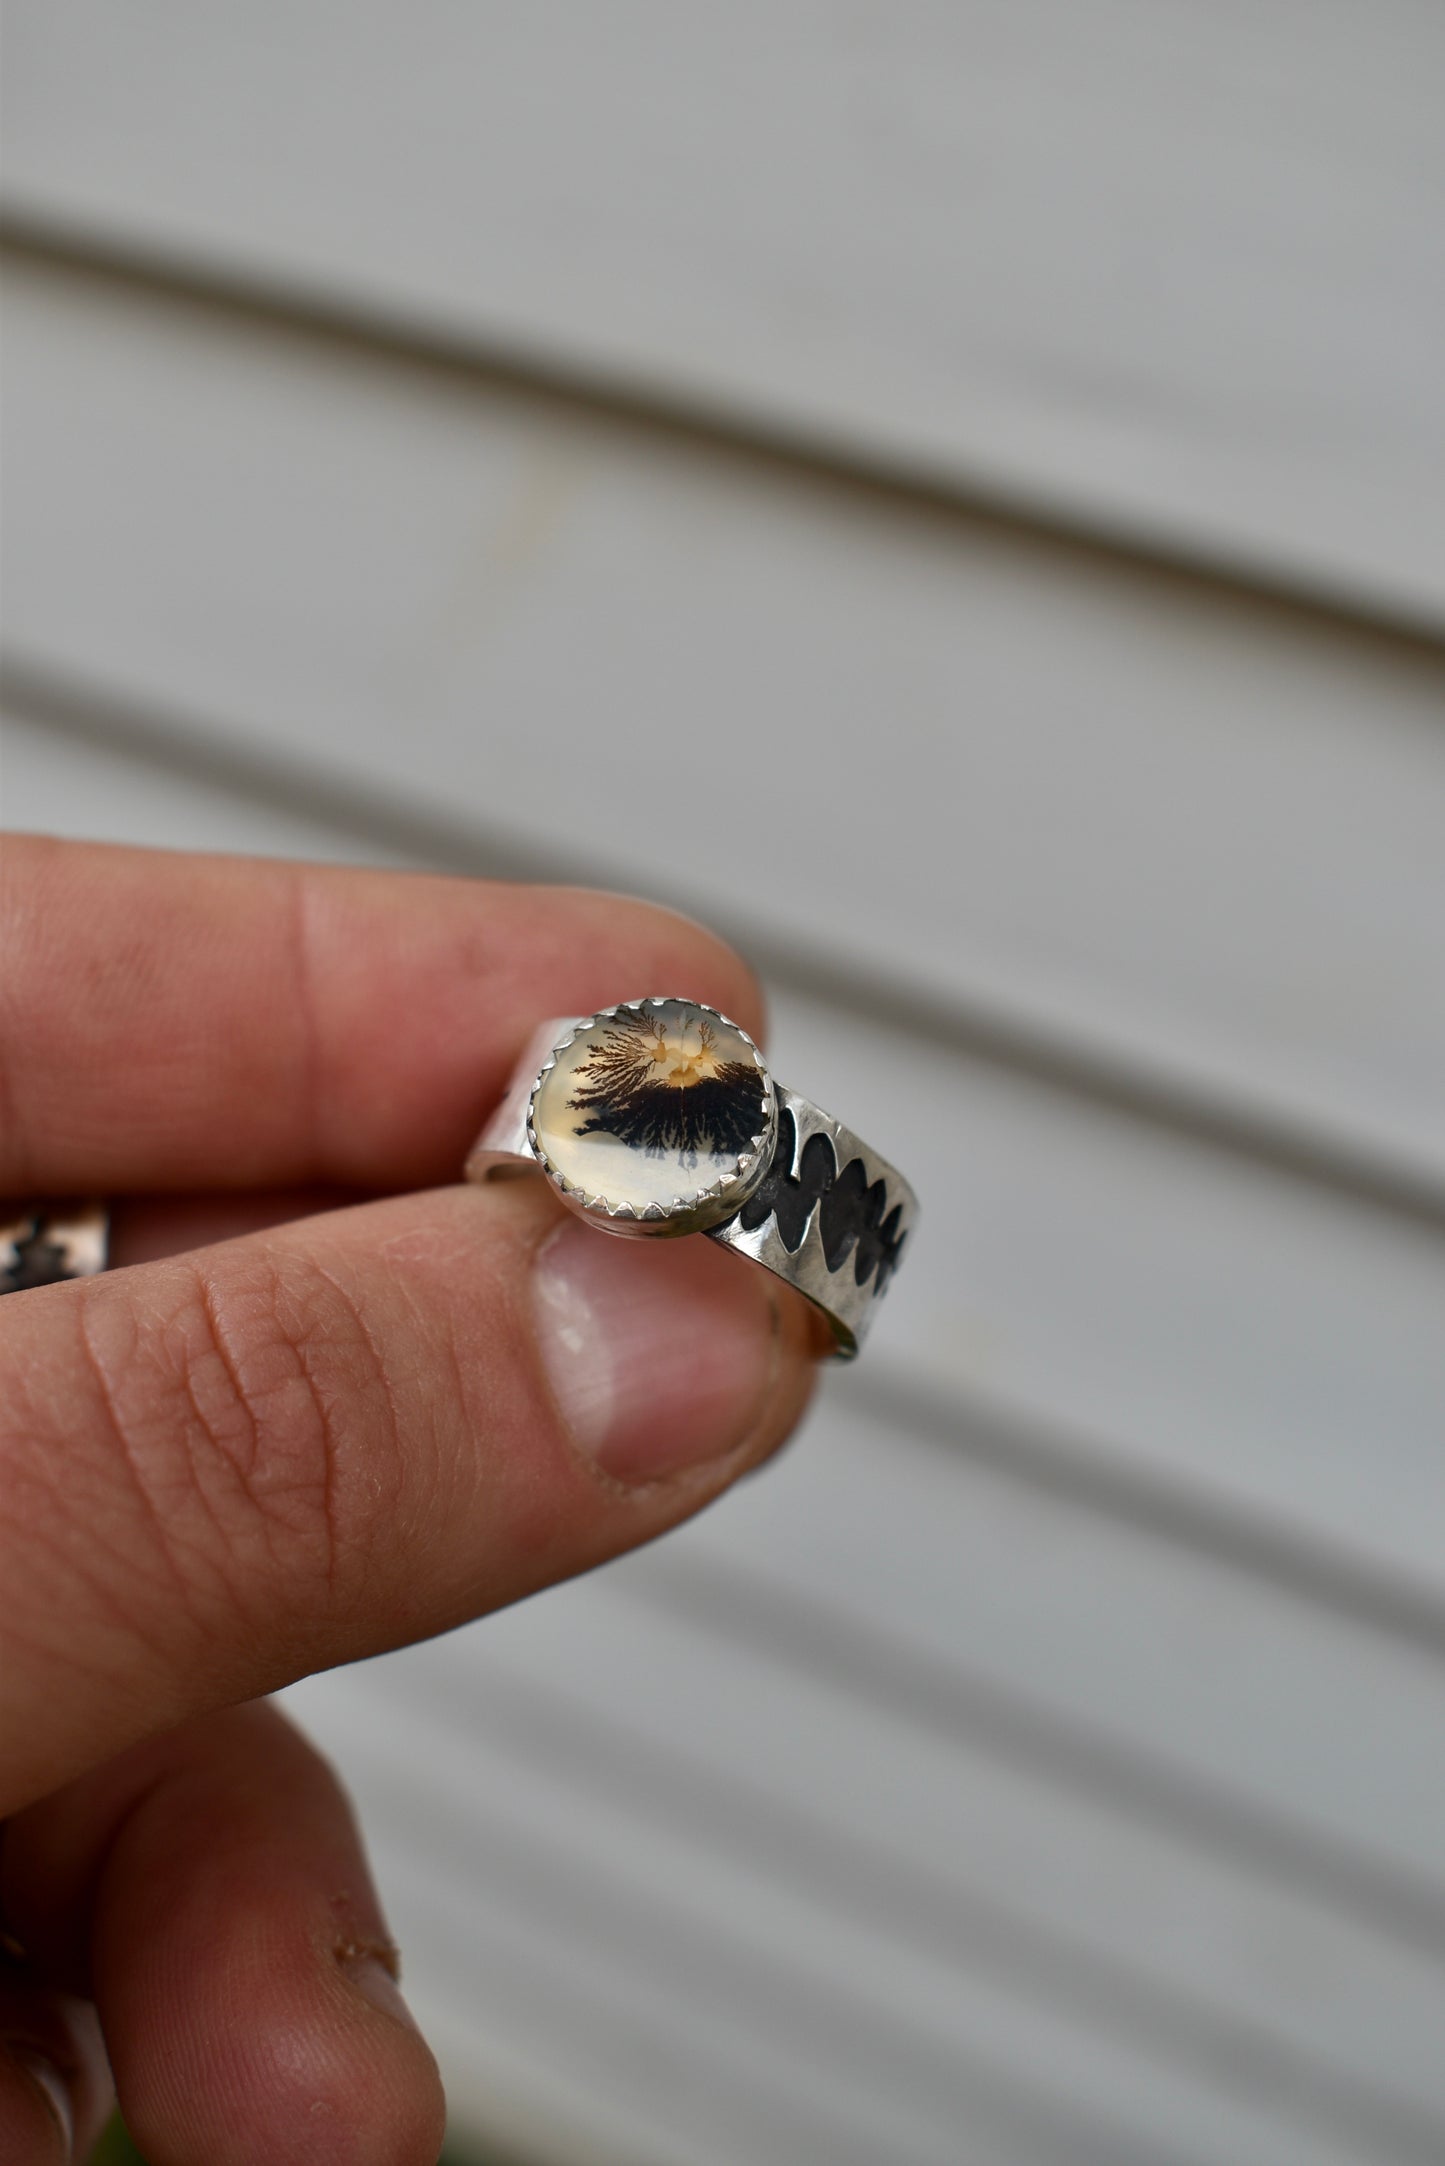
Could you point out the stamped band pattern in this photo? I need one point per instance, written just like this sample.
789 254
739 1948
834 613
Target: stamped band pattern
850 1207
830 1216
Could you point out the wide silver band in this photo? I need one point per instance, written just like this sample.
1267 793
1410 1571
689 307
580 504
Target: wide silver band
42 1242
830 1216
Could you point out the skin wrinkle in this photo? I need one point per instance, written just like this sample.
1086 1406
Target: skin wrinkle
11 1036
266 1452
118 1427
219 1563
11 1126
169 1542
226 1431
218 1344
211 1555
431 1404
181 1546
301 948
374 1389
383 1398
50 1467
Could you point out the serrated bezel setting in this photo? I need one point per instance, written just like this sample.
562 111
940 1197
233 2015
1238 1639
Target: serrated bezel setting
693 1206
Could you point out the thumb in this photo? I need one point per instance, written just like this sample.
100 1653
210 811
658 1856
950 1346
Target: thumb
229 1468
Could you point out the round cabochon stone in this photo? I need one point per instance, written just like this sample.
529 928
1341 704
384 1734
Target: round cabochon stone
654 1108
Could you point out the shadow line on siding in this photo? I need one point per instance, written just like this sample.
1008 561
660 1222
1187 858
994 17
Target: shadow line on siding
32 232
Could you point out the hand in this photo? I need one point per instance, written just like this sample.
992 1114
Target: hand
300 1440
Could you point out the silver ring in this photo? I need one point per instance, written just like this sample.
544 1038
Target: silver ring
659 1117
43 1242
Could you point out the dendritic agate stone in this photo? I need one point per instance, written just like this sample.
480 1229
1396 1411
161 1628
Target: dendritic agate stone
656 1111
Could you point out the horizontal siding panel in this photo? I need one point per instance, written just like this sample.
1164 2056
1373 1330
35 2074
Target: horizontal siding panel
1159 271
1032 791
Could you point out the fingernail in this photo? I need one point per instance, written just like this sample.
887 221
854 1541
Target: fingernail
47 2078
660 1354
373 1979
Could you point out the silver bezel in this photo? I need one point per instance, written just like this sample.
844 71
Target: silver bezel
699 1209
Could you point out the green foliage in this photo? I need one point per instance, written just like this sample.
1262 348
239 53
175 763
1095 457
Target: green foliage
116 2149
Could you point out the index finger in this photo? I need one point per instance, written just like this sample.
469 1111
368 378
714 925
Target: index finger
173 1021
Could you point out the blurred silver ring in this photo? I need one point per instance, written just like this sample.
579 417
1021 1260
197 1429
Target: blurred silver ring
44 1241
683 1130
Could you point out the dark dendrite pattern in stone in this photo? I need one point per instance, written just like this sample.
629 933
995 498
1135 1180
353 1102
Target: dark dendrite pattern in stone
851 1209
661 1089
